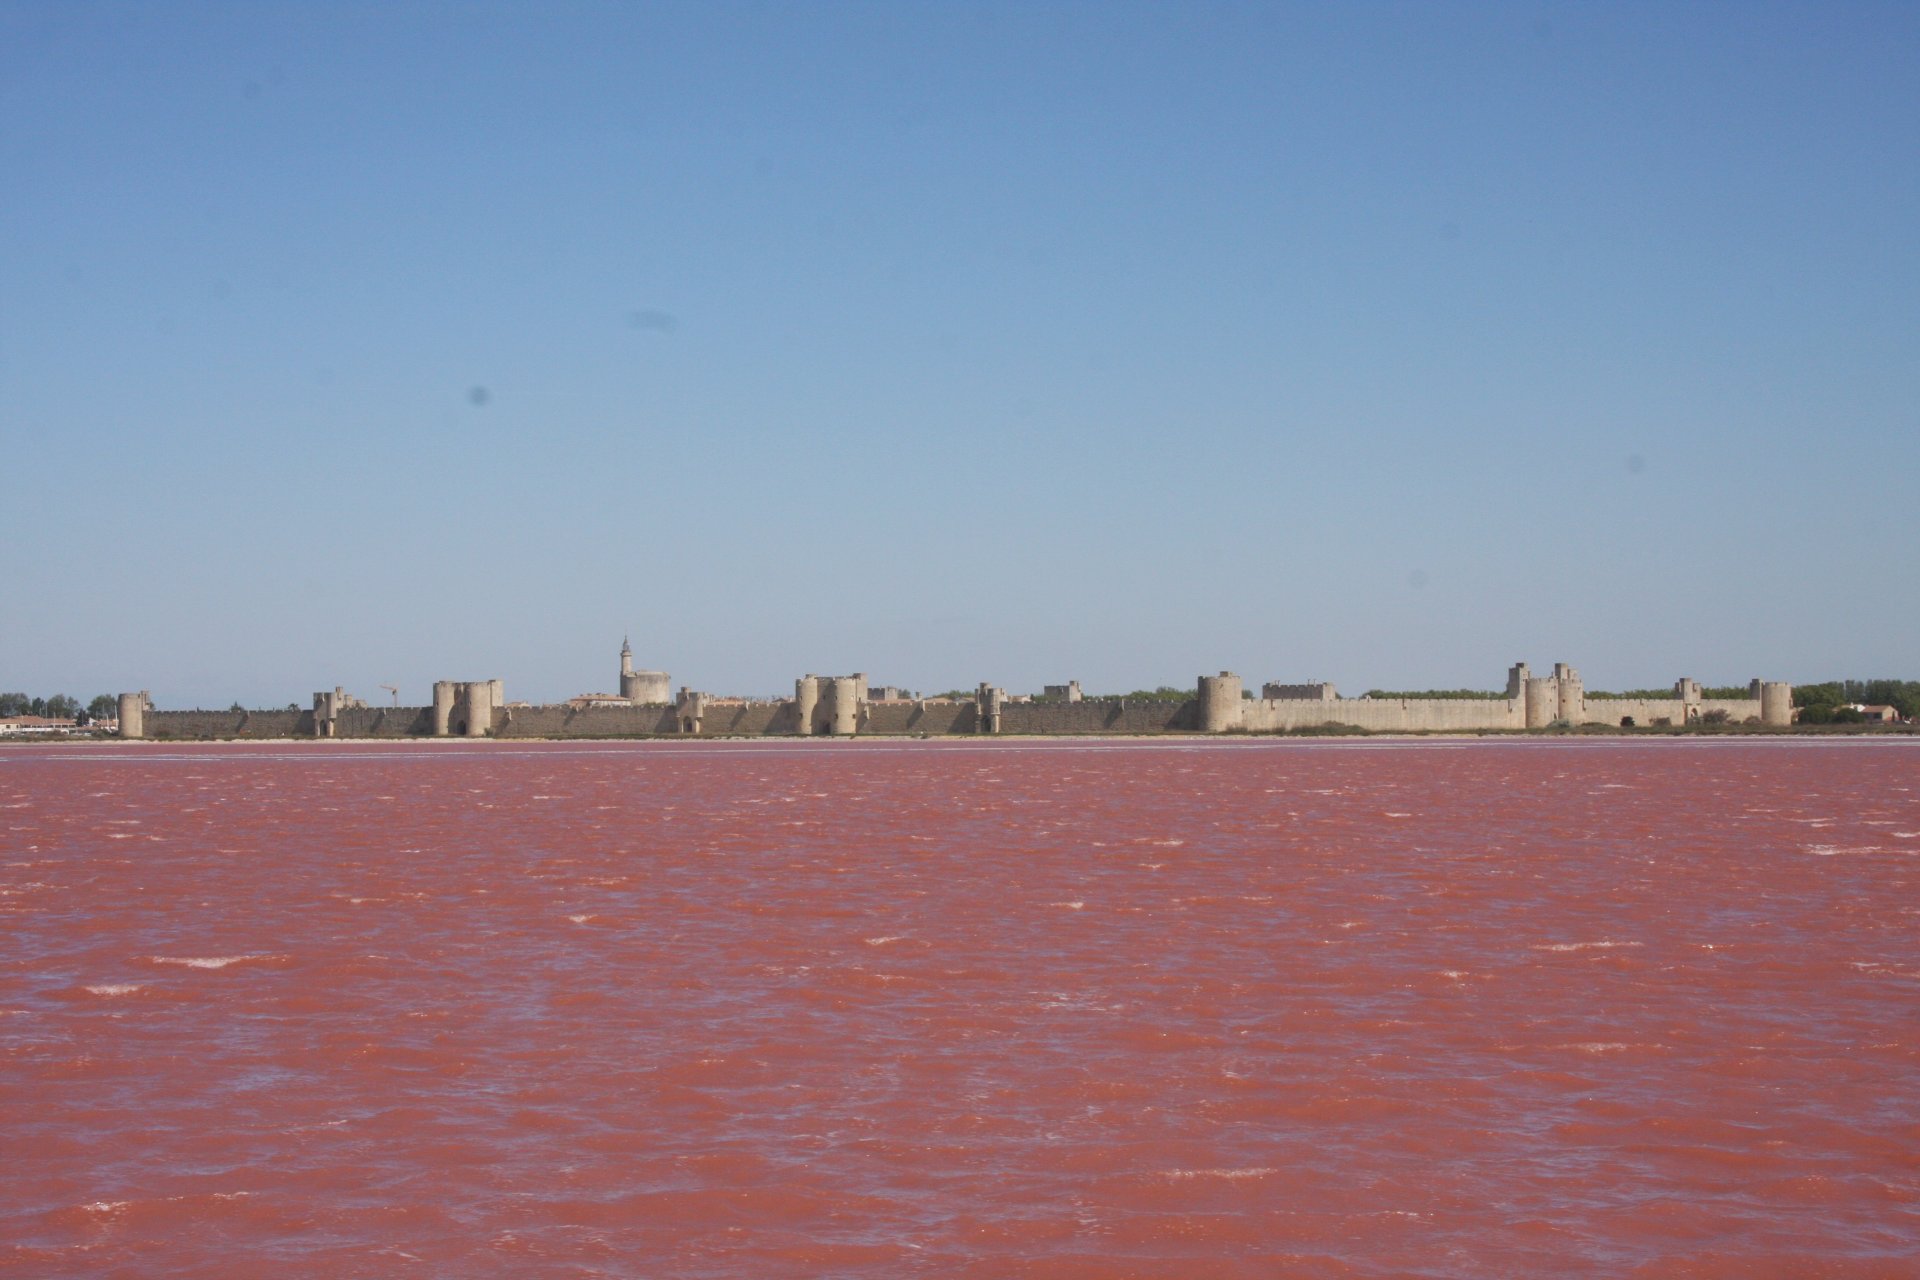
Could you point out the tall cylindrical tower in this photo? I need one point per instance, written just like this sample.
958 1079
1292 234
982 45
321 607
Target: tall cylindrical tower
476 707
133 715
1220 708
1776 704
1543 702
442 708
806 704
1570 695
841 696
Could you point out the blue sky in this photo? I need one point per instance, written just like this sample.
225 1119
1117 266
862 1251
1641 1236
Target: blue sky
1386 344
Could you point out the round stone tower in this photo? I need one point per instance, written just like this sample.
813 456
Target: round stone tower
476 708
1220 708
806 703
642 688
646 688
1570 694
442 708
1776 704
133 714
1543 701
841 699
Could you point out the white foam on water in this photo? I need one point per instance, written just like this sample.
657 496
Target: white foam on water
1583 946
1070 906
1880 967
208 962
884 940
114 989
581 919
1181 1175
1593 1046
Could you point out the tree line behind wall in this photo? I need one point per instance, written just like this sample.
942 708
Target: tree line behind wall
61 706
1828 703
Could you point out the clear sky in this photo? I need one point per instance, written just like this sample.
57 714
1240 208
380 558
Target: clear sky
375 344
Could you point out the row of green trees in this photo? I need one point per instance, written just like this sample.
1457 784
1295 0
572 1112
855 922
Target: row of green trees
61 706
1827 703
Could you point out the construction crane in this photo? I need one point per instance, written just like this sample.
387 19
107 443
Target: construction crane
394 691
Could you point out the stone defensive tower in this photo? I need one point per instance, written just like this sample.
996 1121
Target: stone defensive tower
642 688
829 705
690 709
840 705
989 702
1570 694
133 714
1220 703
1517 677
806 704
465 709
1543 701
1776 703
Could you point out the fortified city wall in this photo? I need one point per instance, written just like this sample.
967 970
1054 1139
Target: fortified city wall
840 706
358 722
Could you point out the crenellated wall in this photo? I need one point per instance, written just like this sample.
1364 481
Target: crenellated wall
564 721
1387 715
937 717
1102 715
187 725
838 706
384 722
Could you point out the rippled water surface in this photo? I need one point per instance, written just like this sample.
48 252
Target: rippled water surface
1046 1009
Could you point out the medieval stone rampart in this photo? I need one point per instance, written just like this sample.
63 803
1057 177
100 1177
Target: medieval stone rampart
191 725
938 716
840 706
564 721
1102 715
